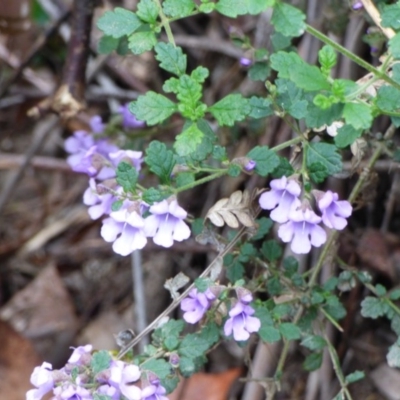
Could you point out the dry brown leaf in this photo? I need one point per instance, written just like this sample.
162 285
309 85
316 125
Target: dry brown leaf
232 210
206 386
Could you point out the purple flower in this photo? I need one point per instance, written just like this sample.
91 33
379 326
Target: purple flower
251 164
129 121
302 230
100 204
154 392
129 156
166 223
241 322
81 355
96 124
129 226
334 211
357 5
122 377
196 305
71 392
282 198
109 391
42 378
245 62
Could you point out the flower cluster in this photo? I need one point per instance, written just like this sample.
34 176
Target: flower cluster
300 224
196 305
127 228
77 380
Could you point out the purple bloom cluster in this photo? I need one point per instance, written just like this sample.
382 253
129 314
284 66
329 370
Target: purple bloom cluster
196 305
300 223
241 323
126 228
76 381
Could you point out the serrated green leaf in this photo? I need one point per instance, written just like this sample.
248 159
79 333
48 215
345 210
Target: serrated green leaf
264 226
347 135
291 266
235 271
317 172
274 287
147 11
127 176
266 159
269 334
394 46
187 141
234 170
193 346
230 109
335 308
316 117
200 74
325 154
210 333
207 8
107 44
118 23
313 342
271 250
171 58
219 153
358 115
152 195
291 98
259 71
280 42
372 307
142 41
289 331
184 178
260 107
394 294
284 62
327 58
152 108
388 98
355 376
158 366
395 324
160 160
255 7
288 20
100 361
116 205
232 8
283 169
312 362
393 357
380 290
187 366
309 78
391 16
178 8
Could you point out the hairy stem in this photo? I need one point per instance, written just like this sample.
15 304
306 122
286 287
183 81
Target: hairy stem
165 23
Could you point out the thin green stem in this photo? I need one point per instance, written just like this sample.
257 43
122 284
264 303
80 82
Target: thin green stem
165 23
201 181
288 143
319 35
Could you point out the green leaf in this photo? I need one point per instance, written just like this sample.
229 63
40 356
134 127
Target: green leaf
255 7
160 160
232 8
234 170
355 376
200 74
260 107
107 44
394 294
266 159
395 324
184 178
283 169
97 396
312 362
187 366
317 172
171 58
152 108
357 114
316 117
334 307
259 71
127 176
158 366
152 195
187 141
327 58
210 333
100 361
274 287
193 345
291 266
393 357
347 135
142 41
291 98
394 46
380 290
118 23
288 20
235 271
219 153
231 108
313 342
280 42
147 11
290 331
391 16
269 334
207 8
372 307
271 250
388 98
264 226
284 62
178 8
325 154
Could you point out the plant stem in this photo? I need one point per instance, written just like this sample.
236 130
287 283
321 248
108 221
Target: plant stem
165 23
201 181
319 35
288 143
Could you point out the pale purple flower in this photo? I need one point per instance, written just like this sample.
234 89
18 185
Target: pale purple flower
126 229
96 124
109 391
251 164
196 305
129 156
166 223
42 378
154 392
245 62
100 204
357 5
302 230
129 121
282 198
71 392
81 355
122 377
334 211
241 323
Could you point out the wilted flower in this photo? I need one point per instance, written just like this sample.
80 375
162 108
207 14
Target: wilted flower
42 378
196 305
302 230
166 223
332 129
282 198
334 211
241 323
